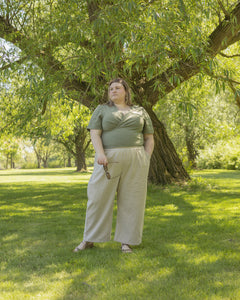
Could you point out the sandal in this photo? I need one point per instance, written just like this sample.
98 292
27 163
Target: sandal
126 248
83 246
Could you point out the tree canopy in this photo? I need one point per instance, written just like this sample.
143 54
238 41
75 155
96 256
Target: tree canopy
76 47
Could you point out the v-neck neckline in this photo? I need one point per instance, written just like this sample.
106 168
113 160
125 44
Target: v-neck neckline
123 112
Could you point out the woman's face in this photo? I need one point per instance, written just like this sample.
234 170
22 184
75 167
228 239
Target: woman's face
117 92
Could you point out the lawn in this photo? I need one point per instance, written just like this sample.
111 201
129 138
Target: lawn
190 249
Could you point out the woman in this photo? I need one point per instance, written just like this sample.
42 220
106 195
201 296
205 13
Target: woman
122 136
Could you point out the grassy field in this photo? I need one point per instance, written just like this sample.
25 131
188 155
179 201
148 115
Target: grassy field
190 249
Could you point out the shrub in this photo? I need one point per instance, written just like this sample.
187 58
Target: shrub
223 155
29 165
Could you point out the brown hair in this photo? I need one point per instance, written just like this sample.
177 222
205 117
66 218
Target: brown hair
127 90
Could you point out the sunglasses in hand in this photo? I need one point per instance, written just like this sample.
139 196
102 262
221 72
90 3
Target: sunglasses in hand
106 172
106 169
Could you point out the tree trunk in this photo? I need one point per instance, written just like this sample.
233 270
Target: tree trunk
166 166
69 163
38 163
45 163
80 158
7 161
191 151
39 159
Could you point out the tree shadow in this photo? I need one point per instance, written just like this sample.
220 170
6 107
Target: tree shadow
182 243
218 174
43 172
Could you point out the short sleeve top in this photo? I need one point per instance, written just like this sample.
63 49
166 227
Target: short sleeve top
121 129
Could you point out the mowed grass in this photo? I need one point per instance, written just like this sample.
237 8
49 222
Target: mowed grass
190 249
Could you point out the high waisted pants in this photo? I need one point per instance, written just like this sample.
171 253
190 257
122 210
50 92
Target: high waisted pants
128 168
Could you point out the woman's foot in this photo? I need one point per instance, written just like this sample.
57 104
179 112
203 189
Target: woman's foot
83 246
126 248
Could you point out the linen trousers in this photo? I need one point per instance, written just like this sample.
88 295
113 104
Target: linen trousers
128 168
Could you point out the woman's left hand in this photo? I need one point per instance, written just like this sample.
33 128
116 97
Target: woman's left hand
149 143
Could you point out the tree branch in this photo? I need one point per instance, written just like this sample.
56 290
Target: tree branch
88 143
236 93
226 79
225 34
223 8
228 56
49 65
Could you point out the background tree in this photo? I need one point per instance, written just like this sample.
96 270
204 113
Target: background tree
43 149
9 151
69 128
198 118
63 121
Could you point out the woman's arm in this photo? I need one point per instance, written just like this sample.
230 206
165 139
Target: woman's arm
98 146
148 143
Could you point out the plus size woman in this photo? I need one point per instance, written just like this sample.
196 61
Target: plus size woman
122 136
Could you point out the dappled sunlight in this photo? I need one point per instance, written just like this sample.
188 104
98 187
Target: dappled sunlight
162 210
191 240
148 276
183 248
207 258
10 237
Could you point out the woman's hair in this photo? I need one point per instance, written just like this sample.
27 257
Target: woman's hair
127 90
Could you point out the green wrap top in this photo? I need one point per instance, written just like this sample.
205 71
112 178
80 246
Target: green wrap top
121 129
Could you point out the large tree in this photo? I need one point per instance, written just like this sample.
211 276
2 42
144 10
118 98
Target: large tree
155 45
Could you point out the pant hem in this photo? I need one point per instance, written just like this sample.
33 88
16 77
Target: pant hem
128 242
96 240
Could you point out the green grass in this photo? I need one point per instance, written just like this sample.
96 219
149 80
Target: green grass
190 249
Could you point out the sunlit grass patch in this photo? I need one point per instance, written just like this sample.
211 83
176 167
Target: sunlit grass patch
190 248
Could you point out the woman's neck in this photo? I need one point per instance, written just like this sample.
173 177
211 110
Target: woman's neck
121 106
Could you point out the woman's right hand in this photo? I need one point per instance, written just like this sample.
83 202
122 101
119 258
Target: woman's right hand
98 146
102 159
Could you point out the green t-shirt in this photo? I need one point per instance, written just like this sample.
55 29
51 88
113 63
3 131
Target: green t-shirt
121 129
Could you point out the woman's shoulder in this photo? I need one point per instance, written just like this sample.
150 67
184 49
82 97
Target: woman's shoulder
103 109
138 108
104 106
100 107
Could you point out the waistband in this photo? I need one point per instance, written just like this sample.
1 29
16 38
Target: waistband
125 148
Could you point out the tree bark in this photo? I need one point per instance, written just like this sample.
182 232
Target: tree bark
7 161
38 158
166 166
80 140
191 151
69 162
80 154
80 159
45 163
45 158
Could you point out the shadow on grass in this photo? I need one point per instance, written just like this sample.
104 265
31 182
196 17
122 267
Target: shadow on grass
42 172
189 249
188 252
199 245
39 226
218 174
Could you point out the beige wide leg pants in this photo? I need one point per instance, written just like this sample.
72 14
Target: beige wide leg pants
128 168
